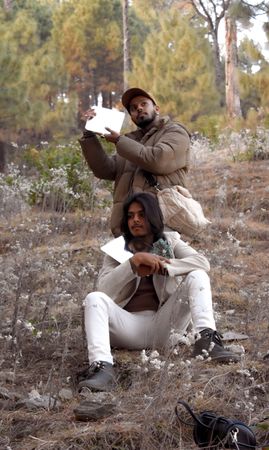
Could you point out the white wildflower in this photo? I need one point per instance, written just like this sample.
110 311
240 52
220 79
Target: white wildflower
144 357
154 354
244 372
34 394
211 346
157 363
29 326
199 395
205 352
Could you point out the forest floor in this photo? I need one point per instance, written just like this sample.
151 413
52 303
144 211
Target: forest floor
49 263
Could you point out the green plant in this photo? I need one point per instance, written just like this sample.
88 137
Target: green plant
246 145
64 181
209 126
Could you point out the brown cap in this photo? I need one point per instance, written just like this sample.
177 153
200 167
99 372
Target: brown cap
132 93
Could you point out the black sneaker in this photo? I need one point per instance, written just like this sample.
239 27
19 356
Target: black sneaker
100 376
209 345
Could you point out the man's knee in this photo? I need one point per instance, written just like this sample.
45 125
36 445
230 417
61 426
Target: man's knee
96 298
198 275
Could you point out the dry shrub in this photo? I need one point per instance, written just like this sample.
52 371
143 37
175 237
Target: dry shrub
48 265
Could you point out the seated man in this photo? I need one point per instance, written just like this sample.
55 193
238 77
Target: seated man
163 286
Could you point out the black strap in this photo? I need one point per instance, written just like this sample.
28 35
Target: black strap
190 411
212 424
151 179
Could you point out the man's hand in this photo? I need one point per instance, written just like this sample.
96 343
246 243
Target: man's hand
145 264
113 136
89 114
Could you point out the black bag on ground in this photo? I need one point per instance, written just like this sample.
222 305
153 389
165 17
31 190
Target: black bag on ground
214 432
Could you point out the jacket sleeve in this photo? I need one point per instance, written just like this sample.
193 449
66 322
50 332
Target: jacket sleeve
114 277
170 153
186 260
102 165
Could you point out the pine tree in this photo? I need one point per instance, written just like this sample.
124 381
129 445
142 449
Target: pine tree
88 35
253 79
212 13
126 43
177 69
234 11
233 107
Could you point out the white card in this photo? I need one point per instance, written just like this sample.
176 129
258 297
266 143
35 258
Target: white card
111 118
116 250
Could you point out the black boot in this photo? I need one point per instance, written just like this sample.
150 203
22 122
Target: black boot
209 345
100 376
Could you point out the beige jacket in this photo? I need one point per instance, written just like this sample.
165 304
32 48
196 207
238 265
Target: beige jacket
120 283
162 151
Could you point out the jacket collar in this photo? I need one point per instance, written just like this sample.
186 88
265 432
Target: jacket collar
139 133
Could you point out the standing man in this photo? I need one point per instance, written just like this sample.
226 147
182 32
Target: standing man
163 286
159 146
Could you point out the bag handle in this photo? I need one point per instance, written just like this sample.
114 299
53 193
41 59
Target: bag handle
231 429
197 419
190 411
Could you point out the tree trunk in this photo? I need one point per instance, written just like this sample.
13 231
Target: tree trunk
232 86
219 73
2 156
126 43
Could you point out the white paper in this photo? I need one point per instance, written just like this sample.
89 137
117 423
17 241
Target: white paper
116 250
111 118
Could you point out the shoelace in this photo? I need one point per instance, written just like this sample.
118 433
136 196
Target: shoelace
215 336
93 368
96 366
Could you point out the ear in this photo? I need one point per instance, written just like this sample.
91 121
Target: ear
157 109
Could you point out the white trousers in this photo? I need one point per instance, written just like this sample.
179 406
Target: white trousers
107 324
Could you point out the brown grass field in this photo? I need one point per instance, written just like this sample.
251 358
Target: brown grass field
49 263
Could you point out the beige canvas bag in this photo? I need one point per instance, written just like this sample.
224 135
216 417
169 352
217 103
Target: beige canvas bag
180 211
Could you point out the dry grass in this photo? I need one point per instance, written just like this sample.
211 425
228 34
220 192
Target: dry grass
49 263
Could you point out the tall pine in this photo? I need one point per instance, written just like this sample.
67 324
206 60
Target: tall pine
177 69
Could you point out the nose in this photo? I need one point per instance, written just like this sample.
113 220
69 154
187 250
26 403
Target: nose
136 218
139 108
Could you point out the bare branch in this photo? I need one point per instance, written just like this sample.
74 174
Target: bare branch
257 10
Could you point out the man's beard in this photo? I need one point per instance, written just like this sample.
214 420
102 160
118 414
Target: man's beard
145 121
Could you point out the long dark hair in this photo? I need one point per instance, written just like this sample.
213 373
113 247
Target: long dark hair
152 212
